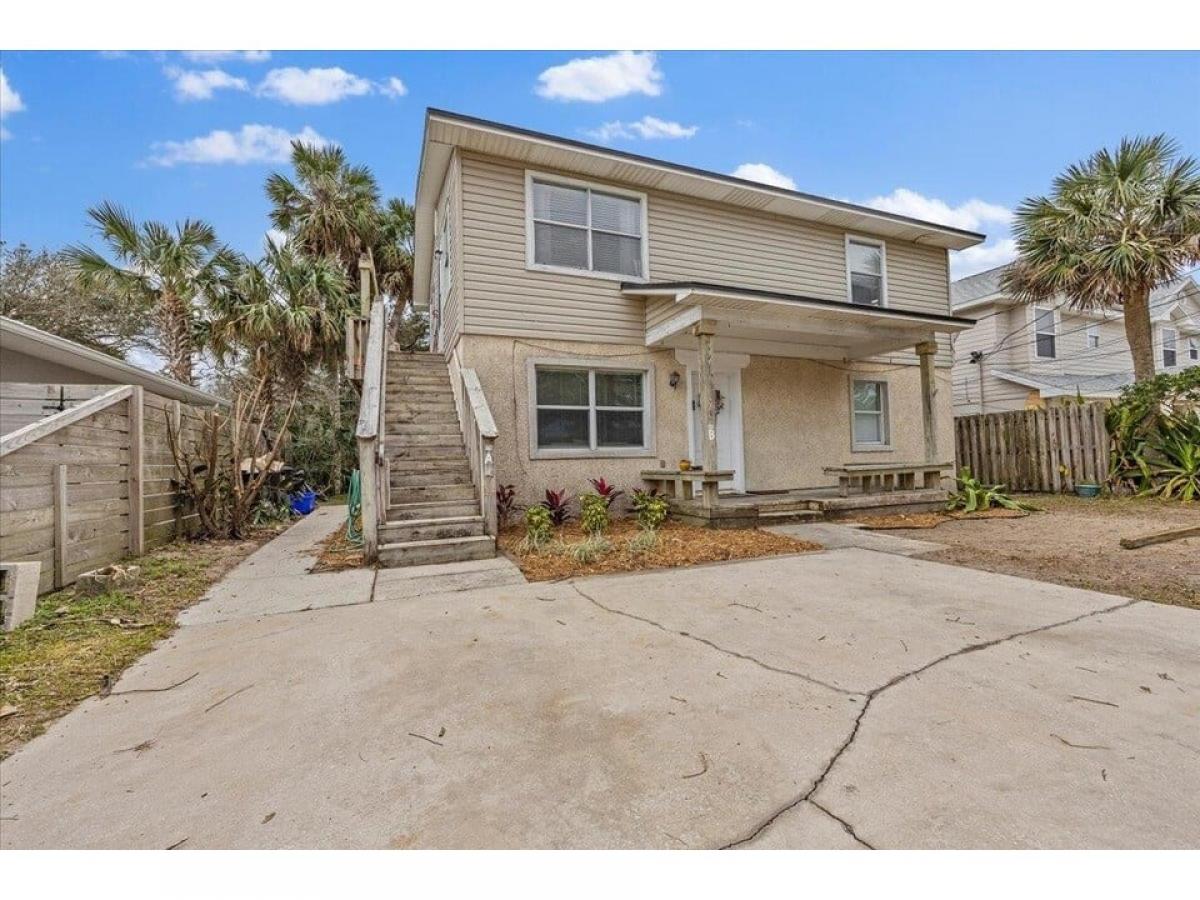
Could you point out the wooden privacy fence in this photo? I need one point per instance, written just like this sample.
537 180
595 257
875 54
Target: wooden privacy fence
1049 449
85 486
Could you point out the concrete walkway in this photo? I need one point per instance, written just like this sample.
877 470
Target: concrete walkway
842 699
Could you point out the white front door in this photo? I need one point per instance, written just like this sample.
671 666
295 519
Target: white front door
729 424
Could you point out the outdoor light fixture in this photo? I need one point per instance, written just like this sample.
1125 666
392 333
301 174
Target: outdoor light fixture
674 380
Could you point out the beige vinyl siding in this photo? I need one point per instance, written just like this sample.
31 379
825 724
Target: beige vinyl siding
689 240
451 199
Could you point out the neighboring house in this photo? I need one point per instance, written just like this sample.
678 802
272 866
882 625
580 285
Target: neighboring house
584 285
1021 356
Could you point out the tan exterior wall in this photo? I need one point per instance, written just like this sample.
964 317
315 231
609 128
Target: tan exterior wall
689 239
795 414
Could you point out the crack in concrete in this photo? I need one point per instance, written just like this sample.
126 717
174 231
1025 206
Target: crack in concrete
846 826
902 677
706 642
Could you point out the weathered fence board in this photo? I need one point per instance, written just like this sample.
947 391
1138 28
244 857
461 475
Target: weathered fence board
1050 449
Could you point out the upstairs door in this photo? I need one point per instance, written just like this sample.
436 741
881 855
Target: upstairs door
729 425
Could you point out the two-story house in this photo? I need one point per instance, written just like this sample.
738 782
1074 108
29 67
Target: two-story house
608 314
1022 356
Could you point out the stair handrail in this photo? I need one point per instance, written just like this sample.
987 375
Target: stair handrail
479 434
368 432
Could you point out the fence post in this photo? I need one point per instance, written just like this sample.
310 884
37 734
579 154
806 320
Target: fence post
137 440
60 526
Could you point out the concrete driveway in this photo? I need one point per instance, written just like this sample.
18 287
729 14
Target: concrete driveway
850 698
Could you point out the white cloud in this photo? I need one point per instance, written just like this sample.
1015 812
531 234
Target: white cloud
250 144
114 54
275 237
764 173
982 257
973 215
212 56
599 78
393 87
191 84
647 128
10 102
313 87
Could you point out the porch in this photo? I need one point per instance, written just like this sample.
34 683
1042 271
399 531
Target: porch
716 330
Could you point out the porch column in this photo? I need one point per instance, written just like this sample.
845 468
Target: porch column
708 398
925 353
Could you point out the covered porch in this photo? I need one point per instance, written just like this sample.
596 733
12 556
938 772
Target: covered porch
853 463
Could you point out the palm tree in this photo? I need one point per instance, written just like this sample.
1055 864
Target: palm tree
174 271
1115 226
287 313
332 209
393 250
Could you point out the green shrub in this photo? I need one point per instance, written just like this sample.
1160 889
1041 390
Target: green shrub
538 529
593 513
1155 433
651 509
589 549
643 542
973 495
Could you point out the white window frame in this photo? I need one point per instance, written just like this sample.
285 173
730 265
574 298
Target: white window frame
533 266
1091 337
592 366
1174 348
1193 349
883 277
885 414
1055 318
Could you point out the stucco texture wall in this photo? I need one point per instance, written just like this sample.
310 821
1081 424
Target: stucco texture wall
795 416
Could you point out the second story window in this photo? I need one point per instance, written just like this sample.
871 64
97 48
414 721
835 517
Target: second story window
578 227
1093 337
1045 333
866 270
1170 358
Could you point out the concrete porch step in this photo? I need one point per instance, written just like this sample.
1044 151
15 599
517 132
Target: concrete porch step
430 529
416 553
432 509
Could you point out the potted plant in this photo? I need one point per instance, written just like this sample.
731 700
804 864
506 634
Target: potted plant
1087 489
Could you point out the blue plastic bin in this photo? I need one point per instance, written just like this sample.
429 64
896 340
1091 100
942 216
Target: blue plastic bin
304 502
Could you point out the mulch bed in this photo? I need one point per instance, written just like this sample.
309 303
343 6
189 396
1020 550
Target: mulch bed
678 545
900 521
336 554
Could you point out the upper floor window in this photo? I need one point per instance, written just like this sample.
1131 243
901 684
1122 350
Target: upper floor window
576 227
866 269
1169 358
1045 332
1093 337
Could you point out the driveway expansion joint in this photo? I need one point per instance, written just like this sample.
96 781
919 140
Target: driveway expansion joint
875 692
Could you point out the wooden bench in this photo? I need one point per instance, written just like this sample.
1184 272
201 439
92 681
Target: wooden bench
873 478
680 485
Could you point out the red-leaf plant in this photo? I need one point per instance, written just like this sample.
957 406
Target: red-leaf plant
609 492
558 503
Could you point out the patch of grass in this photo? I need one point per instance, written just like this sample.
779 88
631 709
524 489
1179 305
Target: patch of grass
73 647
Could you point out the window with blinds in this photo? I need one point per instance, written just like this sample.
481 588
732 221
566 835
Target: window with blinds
587 229
867 272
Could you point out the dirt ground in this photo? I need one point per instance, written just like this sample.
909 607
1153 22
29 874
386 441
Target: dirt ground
1074 542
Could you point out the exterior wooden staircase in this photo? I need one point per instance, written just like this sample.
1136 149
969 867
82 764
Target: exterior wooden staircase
434 513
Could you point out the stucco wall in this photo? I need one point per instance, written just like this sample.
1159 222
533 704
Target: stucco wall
795 416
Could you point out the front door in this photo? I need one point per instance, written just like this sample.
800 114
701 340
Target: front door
729 425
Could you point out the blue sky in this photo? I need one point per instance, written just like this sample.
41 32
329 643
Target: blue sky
962 137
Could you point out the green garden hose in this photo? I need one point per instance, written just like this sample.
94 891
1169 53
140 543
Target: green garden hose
354 518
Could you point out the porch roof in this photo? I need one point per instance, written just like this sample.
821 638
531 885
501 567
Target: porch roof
776 323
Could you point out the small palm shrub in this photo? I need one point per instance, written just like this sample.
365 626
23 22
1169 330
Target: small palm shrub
558 505
1175 473
1155 434
538 529
973 495
593 513
651 509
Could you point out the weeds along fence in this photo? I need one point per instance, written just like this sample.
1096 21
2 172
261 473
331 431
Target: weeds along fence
92 482
1050 449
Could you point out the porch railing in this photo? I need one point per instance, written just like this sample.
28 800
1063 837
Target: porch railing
369 432
479 435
